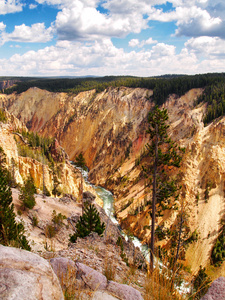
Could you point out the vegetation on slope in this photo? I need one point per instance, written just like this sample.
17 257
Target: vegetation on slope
89 222
214 96
161 86
11 232
2 116
36 147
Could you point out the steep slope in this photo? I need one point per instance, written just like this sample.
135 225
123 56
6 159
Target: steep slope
22 167
109 128
102 126
202 169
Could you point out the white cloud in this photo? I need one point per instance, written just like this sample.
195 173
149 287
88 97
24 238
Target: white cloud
162 50
134 43
68 3
137 43
32 6
103 58
150 41
125 7
81 19
86 22
10 6
84 39
2 26
196 22
37 33
211 47
191 21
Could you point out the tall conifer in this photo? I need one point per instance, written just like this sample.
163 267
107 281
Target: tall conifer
163 152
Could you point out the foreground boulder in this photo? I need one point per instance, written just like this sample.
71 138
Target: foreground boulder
96 281
124 291
216 290
65 269
93 279
100 295
26 276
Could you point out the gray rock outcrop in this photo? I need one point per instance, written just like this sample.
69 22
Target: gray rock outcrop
92 278
26 276
100 295
64 268
216 290
123 291
97 282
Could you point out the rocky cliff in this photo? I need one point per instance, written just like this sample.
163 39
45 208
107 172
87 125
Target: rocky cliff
100 126
109 128
4 84
21 167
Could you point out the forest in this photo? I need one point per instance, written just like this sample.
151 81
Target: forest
162 86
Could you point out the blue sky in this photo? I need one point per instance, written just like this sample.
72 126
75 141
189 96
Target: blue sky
111 37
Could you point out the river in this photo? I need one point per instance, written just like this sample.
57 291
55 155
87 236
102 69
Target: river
108 206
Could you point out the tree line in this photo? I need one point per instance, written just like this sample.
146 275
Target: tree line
162 86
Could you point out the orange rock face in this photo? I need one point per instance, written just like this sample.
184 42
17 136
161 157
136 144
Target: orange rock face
109 129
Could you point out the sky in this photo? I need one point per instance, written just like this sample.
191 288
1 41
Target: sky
111 37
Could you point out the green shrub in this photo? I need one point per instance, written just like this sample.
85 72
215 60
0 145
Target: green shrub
119 243
27 194
218 252
36 147
89 222
160 233
50 231
2 116
34 221
57 219
80 161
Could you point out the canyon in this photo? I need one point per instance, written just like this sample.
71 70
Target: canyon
109 129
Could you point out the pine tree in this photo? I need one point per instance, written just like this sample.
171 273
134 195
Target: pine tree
80 161
88 222
163 152
11 233
27 194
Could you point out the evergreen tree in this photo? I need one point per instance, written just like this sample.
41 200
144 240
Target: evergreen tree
88 222
80 161
163 152
56 183
27 194
11 233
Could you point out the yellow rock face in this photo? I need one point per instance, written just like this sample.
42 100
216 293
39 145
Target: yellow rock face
109 128
102 126
23 167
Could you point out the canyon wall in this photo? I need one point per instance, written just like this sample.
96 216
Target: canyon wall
21 168
109 128
4 84
101 126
